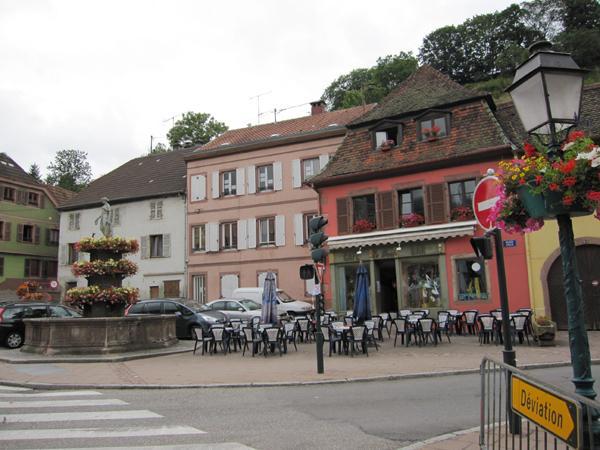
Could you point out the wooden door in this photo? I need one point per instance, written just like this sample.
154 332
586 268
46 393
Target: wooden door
154 292
171 289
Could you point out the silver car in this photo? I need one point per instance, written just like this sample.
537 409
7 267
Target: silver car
236 308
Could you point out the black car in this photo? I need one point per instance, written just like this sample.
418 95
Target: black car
187 318
12 328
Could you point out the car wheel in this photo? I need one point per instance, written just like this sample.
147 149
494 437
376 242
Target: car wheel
14 339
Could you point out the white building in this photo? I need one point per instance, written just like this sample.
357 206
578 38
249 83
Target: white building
147 197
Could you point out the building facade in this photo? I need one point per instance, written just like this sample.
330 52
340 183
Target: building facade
148 203
248 207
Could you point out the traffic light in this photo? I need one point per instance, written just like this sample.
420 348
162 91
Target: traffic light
482 246
321 305
318 238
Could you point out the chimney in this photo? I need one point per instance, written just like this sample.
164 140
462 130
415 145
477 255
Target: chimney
317 107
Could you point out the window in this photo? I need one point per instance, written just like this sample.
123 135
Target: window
422 285
49 269
389 135
2 230
433 128
264 181
156 212
170 308
9 194
363 208
52 237
229 282
74 221
229 235
306 221
310 167
471 279
229 183
115 216
156 246
33 198
28 233
199 288
266 231
32 267
198 238
461 200
73 254
410 205
1 266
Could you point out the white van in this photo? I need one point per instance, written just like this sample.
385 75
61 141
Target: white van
285 304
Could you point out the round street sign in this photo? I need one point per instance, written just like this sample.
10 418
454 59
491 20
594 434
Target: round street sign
484 198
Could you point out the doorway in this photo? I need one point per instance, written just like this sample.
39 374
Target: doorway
386 286
590 283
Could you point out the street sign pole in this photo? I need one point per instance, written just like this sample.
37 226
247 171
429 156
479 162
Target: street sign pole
319 332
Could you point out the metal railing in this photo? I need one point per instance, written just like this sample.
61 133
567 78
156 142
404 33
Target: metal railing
502 428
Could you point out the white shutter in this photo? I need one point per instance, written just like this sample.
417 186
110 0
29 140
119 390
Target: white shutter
299 229
242 235
144 247
166 250
240 181
280 231
229 282
296 174
251 228
64 255
198 187
308 286
277 176
323 160
212 237
215 185
251 179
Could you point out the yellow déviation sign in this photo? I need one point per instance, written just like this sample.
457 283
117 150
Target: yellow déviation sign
555 414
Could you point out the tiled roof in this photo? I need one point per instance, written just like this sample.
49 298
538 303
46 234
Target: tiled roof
61 195
145 177
426 88
473 130
286 128
9 169
589 121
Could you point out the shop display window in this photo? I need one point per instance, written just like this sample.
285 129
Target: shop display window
471 279
422 285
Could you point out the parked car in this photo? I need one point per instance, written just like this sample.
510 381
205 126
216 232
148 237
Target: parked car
285 303
187 318
12 328
236 308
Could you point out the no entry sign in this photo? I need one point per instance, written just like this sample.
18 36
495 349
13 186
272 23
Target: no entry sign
484 198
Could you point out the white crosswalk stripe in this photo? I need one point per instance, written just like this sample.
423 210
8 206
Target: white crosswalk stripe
51 394
88 433
13 388
61 403
68 416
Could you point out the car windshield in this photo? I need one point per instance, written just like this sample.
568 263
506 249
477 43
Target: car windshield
284 297
250 304
203 308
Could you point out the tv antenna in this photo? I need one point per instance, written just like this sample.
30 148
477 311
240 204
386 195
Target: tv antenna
257 97
275 110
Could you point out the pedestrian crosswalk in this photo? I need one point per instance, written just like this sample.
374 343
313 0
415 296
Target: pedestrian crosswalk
31 419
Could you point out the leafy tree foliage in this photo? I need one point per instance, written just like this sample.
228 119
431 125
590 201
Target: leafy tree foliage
70 170
545 16
581 35
159 148
34 171
194 129
362 86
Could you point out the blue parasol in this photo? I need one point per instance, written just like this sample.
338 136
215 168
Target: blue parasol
362 302
269 300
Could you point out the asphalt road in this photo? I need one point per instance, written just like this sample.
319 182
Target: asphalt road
372 415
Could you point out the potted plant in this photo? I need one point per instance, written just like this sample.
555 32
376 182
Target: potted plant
411 220
544 330
363 226
461 213
431 134
386 145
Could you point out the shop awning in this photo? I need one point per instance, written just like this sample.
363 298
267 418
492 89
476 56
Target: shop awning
400 235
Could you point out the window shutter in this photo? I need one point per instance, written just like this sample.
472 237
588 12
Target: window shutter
7 228
21 197
343 215
240 181
436 203
64 255
216 185
242 234
20 232
251 232
198 187
299 229
280 230
323 160
166 247
71 221
42 202
144 247
27 268
229 282
36 234
212 237
277 176
251 179
77 217
296 174
385 205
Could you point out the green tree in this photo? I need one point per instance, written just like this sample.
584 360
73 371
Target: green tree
194 129
34 171
369 85
544 16
70 170
159 148
581 35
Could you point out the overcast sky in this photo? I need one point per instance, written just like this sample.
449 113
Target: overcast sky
103 76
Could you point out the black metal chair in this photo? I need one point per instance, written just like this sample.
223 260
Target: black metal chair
471 320
443 325
303 329
253 338
400 325
371 327
201 337
357 338
486 328
426 331
290 334
219 337
333 339
272 339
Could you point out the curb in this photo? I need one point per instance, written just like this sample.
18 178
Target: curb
94 359
440 438
408 376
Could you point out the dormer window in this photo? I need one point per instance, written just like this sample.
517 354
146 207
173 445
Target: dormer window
387 134
433 127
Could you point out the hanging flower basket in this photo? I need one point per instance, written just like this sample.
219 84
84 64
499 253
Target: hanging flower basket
83 296
122 267
533 203
104 246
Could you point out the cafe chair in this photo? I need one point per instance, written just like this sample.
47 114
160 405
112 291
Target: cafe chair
379 322
333 339
471 320
273 339
518 326
426 331
400 325
290 334
357 338
220 338
486 328
443 326
201 337
370 324
252 338
304 329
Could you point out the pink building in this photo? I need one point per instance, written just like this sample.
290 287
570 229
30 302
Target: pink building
247 207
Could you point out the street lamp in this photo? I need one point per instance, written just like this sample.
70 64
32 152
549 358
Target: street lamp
547 92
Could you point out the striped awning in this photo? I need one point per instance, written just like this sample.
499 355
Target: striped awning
400 235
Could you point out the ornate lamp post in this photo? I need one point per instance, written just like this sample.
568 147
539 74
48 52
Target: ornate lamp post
547 92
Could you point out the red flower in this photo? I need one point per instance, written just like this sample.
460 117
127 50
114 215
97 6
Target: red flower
530 150
553 186
568 200
569 181
538 179
594 196
522 181
574 135
567 167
